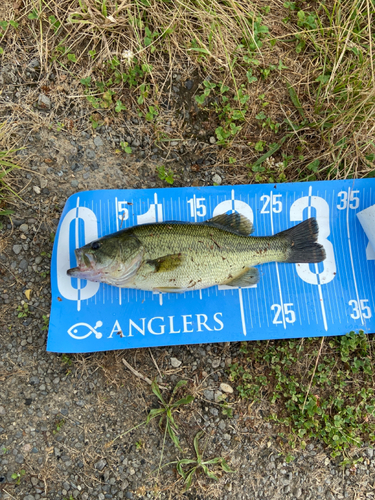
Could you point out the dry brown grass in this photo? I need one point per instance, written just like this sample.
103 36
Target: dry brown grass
333 124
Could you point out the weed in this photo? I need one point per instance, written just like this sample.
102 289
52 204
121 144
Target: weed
168 409
334 402
17 476
96 122
45 322
23 311
66 359
194 465
125 147
58 426
119 106
226 410
164 175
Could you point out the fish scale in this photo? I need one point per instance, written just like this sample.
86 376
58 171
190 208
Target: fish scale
209 255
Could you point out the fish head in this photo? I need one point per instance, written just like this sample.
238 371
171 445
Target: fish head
113 259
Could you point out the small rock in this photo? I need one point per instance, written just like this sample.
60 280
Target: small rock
222 425
34 64
208 394
226 388
38 259
26 448
216 363
19 458
218 396
217 179
189 84
43 182
98 141
212 140
23 264
370 452
94 165
2 410
226 437
174 143
24 228
175 362
90 154
44 102
36 189
101 464
17 249
74 183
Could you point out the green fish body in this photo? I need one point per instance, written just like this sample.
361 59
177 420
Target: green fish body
179 257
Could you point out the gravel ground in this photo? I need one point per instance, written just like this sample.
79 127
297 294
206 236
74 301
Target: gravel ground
59 414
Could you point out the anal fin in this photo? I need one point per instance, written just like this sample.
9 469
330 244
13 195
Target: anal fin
248 278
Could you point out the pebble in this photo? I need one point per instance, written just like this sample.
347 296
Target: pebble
34 63
24 228
23 265
189 84
212 140
217 179
44 102
216 363
226 388
2 410
74 183
101 464
90 154
175 362
17 249
208 394
98 141
36 189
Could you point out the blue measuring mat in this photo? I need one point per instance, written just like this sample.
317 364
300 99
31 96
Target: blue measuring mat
290 300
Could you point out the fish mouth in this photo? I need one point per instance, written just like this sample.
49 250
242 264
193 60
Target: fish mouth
85 269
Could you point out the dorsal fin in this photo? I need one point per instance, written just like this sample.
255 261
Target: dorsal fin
235 222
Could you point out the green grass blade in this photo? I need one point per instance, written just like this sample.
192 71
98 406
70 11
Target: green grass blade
275 147
294 97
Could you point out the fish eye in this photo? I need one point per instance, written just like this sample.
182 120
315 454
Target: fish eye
95 245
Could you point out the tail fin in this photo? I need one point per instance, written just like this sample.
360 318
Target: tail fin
303 245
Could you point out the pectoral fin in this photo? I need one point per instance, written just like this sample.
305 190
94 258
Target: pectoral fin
248 278
166 263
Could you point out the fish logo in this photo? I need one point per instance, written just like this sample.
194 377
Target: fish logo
88 329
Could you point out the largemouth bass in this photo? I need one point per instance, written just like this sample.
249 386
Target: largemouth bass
179 257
